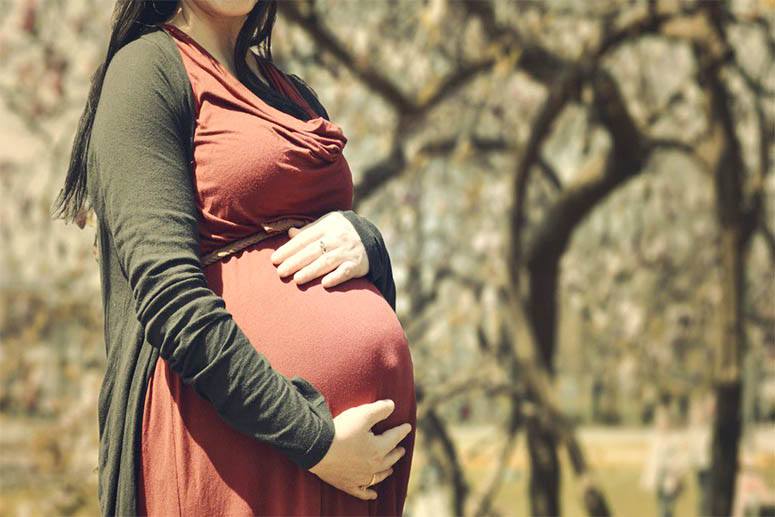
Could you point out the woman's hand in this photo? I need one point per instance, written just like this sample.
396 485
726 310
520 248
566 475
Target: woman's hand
357 454
344 258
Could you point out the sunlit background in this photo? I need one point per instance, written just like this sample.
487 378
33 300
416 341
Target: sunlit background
577 200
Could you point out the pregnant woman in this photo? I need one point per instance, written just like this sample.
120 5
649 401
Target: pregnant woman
253 368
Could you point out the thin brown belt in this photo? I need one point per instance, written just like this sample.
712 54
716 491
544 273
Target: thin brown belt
269 229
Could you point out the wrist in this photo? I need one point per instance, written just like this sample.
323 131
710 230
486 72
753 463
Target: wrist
369 238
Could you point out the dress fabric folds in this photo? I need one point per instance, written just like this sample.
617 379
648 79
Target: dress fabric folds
254 164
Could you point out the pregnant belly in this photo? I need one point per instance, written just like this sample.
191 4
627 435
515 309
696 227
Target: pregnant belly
345 340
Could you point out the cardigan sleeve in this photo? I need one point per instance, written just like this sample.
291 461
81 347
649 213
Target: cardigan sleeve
380 269
143 192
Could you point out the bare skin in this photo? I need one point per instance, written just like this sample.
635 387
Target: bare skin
345 256
357 457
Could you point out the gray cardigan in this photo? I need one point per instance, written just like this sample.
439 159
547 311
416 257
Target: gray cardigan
155 298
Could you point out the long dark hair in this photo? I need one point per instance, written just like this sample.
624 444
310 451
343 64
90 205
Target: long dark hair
130 20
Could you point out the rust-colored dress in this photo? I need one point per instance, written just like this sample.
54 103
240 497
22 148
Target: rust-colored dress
255 163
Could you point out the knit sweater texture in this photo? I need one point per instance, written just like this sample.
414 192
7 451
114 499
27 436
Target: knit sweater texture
155 298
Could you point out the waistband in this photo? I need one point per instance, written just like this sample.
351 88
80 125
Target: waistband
268 229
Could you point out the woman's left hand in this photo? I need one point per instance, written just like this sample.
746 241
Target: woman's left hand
344 257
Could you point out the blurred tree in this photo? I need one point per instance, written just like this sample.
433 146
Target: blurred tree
565 188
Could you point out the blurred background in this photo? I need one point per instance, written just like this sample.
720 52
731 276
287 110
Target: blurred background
577 200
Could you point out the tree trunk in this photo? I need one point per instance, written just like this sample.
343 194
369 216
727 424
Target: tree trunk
735 219
726 437
544 471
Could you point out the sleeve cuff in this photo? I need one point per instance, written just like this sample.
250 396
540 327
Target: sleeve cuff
370 241
380 269
325 435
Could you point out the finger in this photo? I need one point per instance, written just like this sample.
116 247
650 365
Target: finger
392 457
287 248
390 438
318 267
379 410
301 258
380 476
305 235
363 493
341 274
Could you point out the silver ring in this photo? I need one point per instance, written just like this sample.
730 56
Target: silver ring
322 246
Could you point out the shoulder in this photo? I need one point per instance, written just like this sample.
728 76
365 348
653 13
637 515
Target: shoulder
149 69
145 92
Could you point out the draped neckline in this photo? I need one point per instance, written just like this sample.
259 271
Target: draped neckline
313 124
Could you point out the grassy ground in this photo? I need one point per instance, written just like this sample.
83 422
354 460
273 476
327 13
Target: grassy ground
616 455
28 486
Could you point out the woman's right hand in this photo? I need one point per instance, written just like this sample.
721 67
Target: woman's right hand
356 453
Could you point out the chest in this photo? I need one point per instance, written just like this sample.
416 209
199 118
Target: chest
253 162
